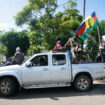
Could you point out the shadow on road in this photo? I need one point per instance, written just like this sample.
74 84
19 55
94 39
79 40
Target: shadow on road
56 93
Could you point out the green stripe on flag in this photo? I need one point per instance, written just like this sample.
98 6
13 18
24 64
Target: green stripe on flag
88 30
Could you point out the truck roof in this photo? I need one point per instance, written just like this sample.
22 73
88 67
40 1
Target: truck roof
50 53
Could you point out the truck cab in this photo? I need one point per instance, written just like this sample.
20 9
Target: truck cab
54 68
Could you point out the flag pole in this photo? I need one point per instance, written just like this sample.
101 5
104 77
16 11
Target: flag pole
84 6
99 41
99 35
84 3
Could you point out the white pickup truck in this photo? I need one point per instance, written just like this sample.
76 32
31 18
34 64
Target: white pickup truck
49 70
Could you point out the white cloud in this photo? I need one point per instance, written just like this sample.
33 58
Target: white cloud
4 26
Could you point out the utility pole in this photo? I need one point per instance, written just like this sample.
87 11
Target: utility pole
84 2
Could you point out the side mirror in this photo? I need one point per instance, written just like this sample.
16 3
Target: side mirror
29 64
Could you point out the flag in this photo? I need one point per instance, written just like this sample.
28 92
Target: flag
87 25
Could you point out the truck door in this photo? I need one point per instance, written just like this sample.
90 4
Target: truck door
60 69
38 72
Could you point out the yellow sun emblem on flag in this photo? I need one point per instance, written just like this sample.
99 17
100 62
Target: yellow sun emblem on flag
89 22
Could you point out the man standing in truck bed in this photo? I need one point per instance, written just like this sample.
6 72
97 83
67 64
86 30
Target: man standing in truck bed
72 42
18 57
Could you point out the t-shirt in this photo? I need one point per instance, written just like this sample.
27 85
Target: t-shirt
71 42
57 46
18 58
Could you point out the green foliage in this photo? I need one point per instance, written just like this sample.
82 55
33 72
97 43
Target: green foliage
92 48
35 43
93 40
3 49
23 16
14 39
102 27
72 4
34 10
45 25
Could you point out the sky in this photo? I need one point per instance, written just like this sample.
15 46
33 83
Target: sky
9 8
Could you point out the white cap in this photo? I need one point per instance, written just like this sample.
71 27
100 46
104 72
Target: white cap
103 37
18 49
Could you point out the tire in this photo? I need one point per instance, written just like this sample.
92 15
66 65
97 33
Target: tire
8 87
83 83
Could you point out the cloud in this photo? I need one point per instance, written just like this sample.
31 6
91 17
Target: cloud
4 26
7 26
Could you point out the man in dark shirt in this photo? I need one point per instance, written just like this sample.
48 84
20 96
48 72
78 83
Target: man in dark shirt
18 56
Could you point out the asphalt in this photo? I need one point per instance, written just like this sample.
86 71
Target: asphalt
58 96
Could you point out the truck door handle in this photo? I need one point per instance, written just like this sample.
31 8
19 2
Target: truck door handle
63 68
45 69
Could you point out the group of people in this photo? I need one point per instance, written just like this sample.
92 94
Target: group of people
71 43
73 48
59 47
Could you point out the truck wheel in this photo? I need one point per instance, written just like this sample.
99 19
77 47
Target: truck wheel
83 83
8 87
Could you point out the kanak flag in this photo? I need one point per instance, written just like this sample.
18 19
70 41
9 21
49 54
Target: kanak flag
87 25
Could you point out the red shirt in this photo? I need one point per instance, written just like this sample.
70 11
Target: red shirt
57 46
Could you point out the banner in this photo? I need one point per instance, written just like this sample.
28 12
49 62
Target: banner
87 25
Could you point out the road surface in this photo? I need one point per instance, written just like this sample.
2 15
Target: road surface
58 96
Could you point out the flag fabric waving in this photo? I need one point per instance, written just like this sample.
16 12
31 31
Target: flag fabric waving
87 25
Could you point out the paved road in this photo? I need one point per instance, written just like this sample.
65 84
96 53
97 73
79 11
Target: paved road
58 96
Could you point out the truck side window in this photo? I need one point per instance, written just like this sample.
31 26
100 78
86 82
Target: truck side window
40 60
58 60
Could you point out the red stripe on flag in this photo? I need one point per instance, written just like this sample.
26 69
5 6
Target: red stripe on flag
95 17
81 30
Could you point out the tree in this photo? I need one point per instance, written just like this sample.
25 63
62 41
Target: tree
41 18
35 43
102 27
14 39
34 10
63 24
93 40
3 49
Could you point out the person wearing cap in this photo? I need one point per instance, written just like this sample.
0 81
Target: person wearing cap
101 55
58 39
18 56
102 46
72 42
57 46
